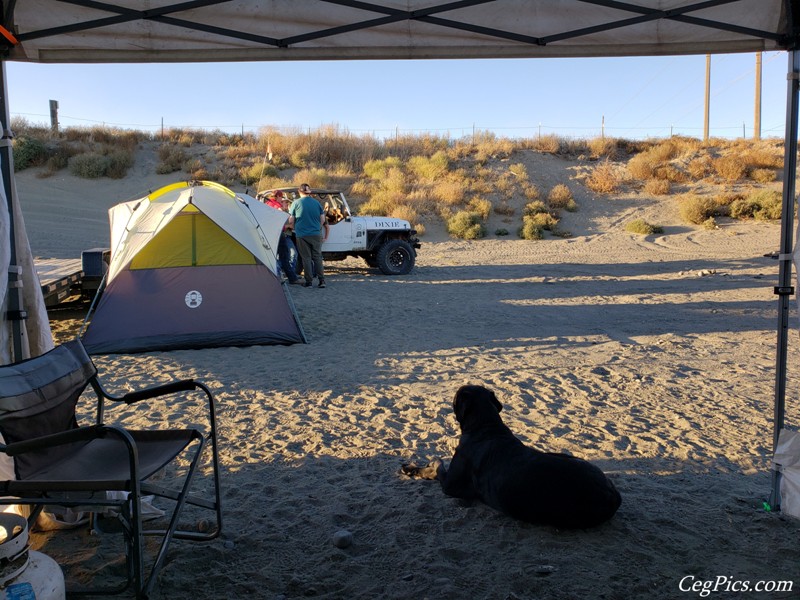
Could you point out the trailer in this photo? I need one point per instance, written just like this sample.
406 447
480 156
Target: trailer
63 278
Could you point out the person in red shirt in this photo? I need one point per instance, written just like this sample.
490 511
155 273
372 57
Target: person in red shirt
286 247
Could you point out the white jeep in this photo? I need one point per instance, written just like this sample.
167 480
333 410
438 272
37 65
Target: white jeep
384 242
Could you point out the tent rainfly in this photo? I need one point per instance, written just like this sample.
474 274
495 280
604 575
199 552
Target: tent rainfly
193 266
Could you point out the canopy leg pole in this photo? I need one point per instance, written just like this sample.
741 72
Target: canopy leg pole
14 305
784 289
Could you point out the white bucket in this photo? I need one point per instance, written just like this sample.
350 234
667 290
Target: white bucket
25 574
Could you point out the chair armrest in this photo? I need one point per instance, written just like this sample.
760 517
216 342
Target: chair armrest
81 434
185 385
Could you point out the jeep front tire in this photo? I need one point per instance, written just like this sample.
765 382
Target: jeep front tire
395 257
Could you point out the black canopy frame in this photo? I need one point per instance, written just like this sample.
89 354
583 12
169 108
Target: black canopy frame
226 30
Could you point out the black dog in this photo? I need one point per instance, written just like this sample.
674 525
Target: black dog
492 465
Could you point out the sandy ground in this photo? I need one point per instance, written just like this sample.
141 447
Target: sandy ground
653 357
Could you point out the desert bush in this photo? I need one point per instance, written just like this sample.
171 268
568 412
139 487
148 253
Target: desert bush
531 191
316 177
731 168
429 168
533 208
642 227
710 223
466 225
28 152
603 178
657 187
603 147
765 205
171 157
560 196
379 168
545 221
547 144
519 171
404 211
119 161
89 165
696 209
481 206
501 232
449 192
671 173
763 175
530 230
700 167
642 166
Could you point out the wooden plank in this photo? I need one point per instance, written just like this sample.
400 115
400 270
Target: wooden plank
57 276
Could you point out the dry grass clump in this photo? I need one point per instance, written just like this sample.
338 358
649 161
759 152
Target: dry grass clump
657 187
642 227
730 167
171 158
560 196
643 166
700 167
603 179
520 171
603 147
696 209
547 144
428 168
531 191
763 175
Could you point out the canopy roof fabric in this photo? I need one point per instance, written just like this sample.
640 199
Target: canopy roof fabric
238 30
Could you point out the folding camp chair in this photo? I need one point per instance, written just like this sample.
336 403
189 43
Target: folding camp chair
99 467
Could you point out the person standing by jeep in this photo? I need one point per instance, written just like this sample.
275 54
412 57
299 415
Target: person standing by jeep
307 218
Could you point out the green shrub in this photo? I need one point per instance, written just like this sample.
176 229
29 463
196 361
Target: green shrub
28 152
765 205
119 161
533 208
172 159
466 225
89 165
501 232
429 168
481 206
642 227
561 197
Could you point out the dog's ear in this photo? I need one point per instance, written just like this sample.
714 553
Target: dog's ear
495 401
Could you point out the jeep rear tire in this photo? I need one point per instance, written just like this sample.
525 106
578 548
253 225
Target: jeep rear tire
395 257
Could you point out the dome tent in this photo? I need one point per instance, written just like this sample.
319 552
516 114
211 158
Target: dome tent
192 266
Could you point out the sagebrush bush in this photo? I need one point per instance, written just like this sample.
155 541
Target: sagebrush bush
763 175
519 171
119 161
696 209
765 205
28 152
481 206
530 230
642 227
700 167
531 192
171 157
533 208
89 165
466 225
657 187
603 178
731 168
545 221
560 196
429 168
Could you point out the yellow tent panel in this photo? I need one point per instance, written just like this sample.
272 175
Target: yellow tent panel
191 239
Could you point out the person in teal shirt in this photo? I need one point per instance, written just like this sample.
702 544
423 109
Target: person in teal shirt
307 218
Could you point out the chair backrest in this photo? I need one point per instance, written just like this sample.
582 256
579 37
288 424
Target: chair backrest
38 397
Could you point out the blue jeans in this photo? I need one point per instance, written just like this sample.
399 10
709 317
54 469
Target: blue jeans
287 257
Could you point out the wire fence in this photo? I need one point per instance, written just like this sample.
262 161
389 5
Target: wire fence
742 130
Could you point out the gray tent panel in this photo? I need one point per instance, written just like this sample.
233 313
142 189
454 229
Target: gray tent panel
191 307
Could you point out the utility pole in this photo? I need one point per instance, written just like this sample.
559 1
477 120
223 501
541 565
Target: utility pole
708 97
54 116
757 116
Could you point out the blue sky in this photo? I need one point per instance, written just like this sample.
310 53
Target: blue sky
632 97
